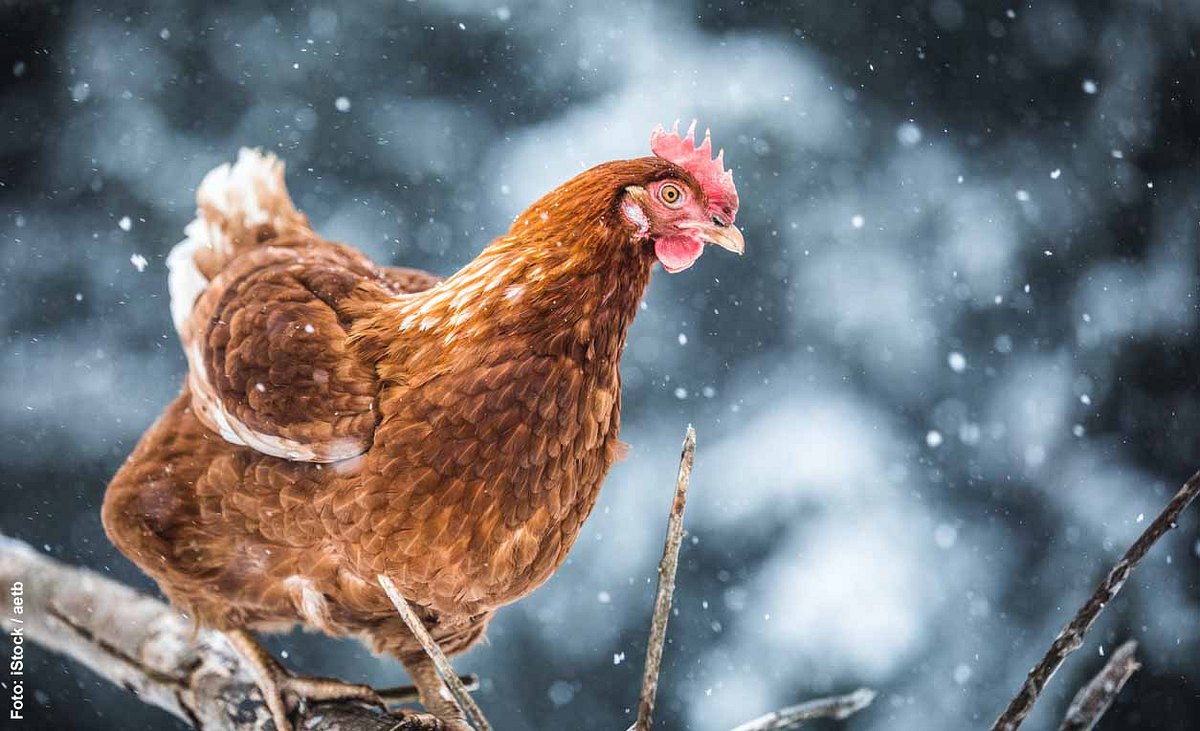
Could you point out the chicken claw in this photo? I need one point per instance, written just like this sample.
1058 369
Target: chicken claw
277 684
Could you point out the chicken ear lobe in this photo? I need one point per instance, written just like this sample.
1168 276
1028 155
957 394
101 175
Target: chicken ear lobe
633 209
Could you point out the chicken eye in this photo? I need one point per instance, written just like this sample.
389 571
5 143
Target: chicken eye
670 194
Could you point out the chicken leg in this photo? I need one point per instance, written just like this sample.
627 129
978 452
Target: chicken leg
435 696
277 683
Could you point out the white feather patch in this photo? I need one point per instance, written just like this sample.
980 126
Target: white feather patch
184 280
237 191
309 602
634 213
227 193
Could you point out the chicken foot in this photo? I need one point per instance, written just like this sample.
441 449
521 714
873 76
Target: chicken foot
435 695
277 684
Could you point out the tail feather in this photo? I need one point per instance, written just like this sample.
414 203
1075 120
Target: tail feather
237 206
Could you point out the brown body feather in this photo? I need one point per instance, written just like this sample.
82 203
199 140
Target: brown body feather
343 419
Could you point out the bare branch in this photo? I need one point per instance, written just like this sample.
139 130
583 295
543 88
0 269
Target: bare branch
1093 699
440 661
666 585
1071 636
836 707
141 644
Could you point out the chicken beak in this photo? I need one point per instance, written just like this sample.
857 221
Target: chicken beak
727 237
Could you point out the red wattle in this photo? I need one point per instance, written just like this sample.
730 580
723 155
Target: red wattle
678 252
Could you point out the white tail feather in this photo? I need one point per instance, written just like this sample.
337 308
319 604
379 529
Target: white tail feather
231 201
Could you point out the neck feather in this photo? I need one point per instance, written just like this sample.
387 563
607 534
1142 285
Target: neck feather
557 286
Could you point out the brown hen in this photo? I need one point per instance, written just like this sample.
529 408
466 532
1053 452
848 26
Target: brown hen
343 419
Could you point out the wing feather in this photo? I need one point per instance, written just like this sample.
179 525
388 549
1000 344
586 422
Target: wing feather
270 362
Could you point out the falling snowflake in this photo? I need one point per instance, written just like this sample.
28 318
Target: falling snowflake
908 134
945 536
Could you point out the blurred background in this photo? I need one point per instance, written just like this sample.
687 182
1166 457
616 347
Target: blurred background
953 378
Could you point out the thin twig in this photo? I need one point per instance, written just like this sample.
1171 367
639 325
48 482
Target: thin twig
836 707
1093 699
1071 636
440 661
666 585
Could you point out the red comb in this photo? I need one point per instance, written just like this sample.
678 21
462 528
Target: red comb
714 179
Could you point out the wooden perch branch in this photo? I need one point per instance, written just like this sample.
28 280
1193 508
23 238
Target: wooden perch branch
1071 636
666 585
1093 699
143 645
836 707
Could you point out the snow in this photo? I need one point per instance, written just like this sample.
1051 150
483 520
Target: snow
848 470
125 223
908 134
139 262
945 536
561 692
